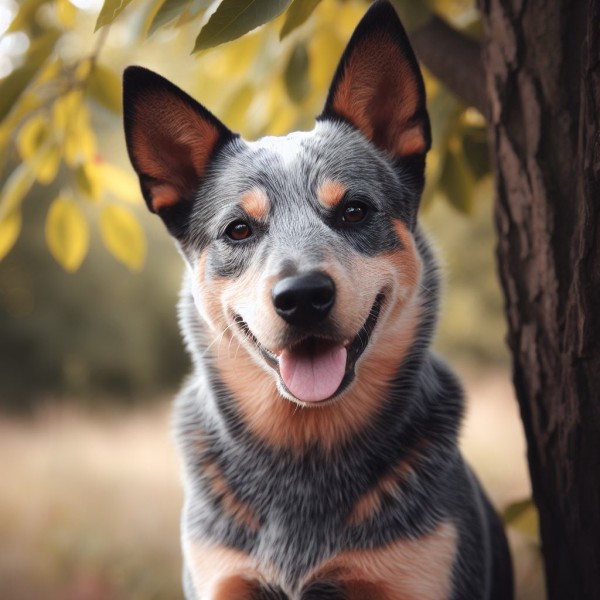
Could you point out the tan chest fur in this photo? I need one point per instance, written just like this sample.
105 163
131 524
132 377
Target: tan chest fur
418 569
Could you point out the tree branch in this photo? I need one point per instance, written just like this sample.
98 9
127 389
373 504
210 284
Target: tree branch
454 58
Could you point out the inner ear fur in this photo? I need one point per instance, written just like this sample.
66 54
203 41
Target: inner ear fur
378 87
170 138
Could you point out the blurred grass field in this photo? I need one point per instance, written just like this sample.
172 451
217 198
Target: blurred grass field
89 506
90 500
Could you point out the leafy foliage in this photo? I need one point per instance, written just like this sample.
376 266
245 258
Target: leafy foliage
67 233
523 516
234 18
54 104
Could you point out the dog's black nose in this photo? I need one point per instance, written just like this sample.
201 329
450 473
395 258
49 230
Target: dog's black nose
304 300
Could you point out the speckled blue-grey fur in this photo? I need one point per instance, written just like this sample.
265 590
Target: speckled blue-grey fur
282 513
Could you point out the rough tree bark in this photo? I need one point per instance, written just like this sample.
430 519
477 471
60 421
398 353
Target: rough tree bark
541 59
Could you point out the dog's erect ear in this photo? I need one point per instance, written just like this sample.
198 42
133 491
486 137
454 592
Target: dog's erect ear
378 86
170 139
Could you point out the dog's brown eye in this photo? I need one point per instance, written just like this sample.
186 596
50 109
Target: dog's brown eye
238 231
354 212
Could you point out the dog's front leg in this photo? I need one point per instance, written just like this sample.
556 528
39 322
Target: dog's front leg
223 573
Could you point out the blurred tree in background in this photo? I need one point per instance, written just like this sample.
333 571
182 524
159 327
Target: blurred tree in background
67 185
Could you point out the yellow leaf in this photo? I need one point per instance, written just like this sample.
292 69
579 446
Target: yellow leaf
32 136
123 236
47 164
120 183
27 104
50 72
66 13
67 233
64 109
60 113
83 69
37 147
104 86
80 146
10 227
89 180
72 123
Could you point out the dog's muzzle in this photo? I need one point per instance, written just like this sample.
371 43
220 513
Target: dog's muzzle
316 368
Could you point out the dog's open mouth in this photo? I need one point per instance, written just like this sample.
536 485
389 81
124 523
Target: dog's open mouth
316 369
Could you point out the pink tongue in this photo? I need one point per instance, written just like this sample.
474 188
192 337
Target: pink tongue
313 374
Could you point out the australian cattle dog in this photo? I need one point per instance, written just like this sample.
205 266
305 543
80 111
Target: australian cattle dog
318 430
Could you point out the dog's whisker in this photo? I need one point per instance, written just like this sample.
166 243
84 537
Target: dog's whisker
217 339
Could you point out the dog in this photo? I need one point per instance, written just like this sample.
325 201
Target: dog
318 430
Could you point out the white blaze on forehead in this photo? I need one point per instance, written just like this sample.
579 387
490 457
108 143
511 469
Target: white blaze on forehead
288 147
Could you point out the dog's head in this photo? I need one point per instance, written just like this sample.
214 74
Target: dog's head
302 247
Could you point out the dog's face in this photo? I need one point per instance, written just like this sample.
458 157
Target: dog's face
301 247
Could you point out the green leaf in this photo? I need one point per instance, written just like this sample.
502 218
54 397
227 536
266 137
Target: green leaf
444 113
104 86
296 74
16 83
111 9
67 233
523 517
298 13
456 182
123 236
413 14
234 18
515 509
168 11
477 152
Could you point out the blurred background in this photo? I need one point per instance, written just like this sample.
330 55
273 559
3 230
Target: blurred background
90 353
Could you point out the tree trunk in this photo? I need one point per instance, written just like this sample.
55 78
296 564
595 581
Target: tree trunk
542 63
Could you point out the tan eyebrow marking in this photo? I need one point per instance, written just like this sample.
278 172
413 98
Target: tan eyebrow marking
255 203
330 193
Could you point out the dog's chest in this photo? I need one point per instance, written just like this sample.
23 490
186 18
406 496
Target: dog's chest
298 561
289 510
